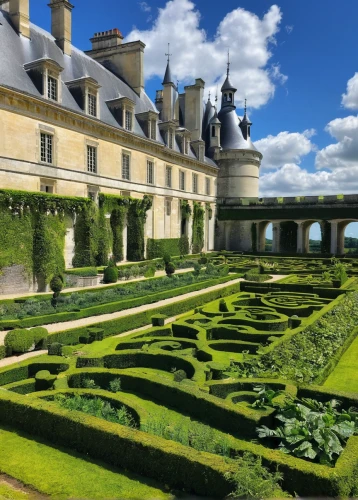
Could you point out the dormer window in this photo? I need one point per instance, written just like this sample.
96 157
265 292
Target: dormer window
85 92
153 130
92 104
122 109
45 74
149 123
52 88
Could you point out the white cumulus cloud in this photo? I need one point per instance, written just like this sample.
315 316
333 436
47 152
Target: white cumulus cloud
350 99
249 38
285 148
344 153
292 180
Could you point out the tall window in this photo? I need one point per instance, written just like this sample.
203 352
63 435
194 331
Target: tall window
168 206
195 183
170 139
128 120
52 88
92 105
92 159
150 172
153 130
126 166
207 185
46 148
168 177
181 180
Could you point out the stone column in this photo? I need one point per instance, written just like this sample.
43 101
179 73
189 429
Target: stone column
341 226
300 237
334 234
276 231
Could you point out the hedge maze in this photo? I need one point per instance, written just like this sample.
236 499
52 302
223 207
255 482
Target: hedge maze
182 402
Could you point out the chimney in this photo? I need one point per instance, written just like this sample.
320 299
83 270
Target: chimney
61 24
123 59
194 113
19 14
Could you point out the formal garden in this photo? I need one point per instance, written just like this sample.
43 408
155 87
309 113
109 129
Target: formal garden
247 387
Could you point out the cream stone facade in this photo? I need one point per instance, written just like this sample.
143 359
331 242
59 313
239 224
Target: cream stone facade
79 124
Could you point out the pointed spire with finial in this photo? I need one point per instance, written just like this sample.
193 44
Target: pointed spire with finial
168 74
245 124
228 90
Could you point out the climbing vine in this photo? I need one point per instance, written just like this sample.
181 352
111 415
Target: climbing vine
185 209
198 228
209 210
136 218
117 219
326 237
288 236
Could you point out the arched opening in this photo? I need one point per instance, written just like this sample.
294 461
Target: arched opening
351 238
230 97
347 237
225 97
314 238
213 134
268 237
263 235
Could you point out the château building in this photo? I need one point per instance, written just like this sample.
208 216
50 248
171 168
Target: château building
80 123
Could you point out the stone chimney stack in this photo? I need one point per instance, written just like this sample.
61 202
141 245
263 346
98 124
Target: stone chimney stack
19 13
124 59
61 24
194 113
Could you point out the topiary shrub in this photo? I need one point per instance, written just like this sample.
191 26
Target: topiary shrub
179 375
166 258
110 274
18 341
2 351
197 269
158 319
56 285
223 306
170 269
40 335
54 349
183 245
203 259
95 334
44 380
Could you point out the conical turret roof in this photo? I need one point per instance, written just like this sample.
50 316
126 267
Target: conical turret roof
168 75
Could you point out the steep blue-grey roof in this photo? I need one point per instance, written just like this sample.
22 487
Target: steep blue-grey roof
230 134
15 51
168 75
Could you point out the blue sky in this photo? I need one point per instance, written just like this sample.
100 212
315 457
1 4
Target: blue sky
293 60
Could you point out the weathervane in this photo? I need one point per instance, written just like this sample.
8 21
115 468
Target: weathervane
169 54
245 106
209 95
228 62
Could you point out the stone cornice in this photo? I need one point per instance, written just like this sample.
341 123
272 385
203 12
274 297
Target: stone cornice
57 115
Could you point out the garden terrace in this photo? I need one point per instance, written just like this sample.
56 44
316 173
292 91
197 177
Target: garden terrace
190 387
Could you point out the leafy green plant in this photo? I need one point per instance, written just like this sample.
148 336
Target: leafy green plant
115 385
169 268
110 274
312 430
254 481
88 383
264 397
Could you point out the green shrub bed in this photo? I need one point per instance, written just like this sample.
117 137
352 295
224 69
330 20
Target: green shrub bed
120 299
170 463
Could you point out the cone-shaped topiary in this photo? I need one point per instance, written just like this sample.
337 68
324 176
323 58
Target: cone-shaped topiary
110 274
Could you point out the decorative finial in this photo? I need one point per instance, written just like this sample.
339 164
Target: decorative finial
245 106
216 96
209 94
228 62
169 54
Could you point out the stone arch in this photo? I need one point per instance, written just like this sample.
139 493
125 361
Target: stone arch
261 235
341 229
303 233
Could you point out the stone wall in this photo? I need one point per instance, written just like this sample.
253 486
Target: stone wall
14 280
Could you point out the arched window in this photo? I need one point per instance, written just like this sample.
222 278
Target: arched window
213 134
225 97
230 97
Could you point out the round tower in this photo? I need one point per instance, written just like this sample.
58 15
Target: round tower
239 163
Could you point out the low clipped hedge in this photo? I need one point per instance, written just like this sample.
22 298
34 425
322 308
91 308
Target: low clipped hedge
132 321
29 369
168 462
187 398
113 306
2 351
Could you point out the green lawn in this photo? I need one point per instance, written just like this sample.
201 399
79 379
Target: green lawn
7 492
345 376
65 474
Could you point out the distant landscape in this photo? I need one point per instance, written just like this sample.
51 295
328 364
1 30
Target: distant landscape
350 245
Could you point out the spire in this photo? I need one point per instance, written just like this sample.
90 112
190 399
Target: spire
228 63
168 74
245 124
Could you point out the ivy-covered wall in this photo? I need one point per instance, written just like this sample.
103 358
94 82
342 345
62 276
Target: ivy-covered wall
288 237
198 228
